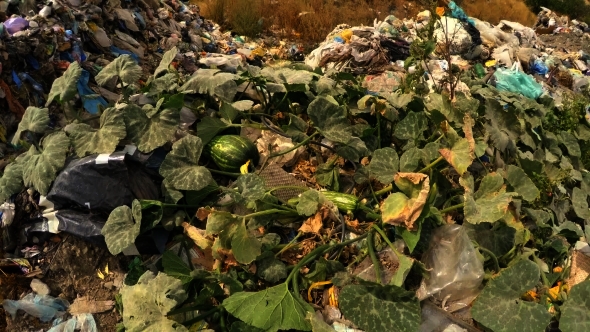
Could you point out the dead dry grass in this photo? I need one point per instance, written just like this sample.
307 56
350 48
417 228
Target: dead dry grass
312 20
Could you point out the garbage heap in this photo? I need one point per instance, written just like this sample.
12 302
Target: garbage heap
515 56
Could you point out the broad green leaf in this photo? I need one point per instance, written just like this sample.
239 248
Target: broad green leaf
410 160
120 230
175 267
65 87
405 264
234 235
272 309
398 100
521 183
271 269
164 83
571 144
243 327
328 176
412 126
384 164
251 186
317 323
504 127
146 304
580 203
212 82
230 111
167 59
575 312
296 129
150 212
430 152
180 168
11 181
322 270
149 133
309 201
327 86
209 127
330 119
353 150
87 140
497 238
499 306
34 120
123 67
41 167
375 308
489 203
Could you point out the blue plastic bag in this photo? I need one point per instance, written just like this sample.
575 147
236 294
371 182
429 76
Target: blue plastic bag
90 100
539 67
518 82
44 307
458 13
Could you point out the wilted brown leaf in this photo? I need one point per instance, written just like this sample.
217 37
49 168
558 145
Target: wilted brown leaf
84 305
203 213
314 223
204 259
403 209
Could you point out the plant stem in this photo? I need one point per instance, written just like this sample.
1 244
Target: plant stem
263 213
297 146
202 316
493 257
384 236
370 246
452 208
215 171
289 245
378 129
384 190
431 165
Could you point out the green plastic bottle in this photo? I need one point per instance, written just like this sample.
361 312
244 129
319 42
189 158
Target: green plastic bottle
480 71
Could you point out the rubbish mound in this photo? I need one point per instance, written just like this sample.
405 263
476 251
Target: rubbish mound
419 174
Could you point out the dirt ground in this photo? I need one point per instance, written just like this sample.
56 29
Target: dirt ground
566 41
70 270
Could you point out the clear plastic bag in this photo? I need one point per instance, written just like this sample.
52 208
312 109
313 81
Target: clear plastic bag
456 272
44 307
518 82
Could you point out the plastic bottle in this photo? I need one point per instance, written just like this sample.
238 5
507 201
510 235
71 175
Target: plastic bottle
46 11
480 71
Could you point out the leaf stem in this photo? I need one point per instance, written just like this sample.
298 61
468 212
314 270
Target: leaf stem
295 147
492 256
452 208
215 171
370 246
201 316
289 245
378 129
431 165
263 213
287 187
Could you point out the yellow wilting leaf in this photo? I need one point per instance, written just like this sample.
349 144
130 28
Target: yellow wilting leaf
196 235
244 168
316 285
106 269
99 274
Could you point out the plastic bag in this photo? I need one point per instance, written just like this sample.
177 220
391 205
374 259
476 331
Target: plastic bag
456 271
539 67
458 13
44 307
515 81
16 24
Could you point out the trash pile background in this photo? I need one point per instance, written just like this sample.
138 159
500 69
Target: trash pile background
417 174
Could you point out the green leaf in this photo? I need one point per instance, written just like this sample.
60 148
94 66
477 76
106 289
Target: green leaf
271 309
271 269
11 181
404 267
353 150
499 306
521 183
146 304
123 67
328 176
180 168
41 167
489 203
575 312
175 267
384 164
212 82
497 238
296 129
327 86
375 308
412 126
243 327
167 59
65 87
34 120
234 235
209 127
87 140
309 202
150 132
330 119
150 212
404 208
460 155
251 186
410 160
164 83
120 230
571 144
580 203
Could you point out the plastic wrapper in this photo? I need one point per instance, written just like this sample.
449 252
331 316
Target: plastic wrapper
539 67
15 24
82 323
44 307
518 82
100 183
456 271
